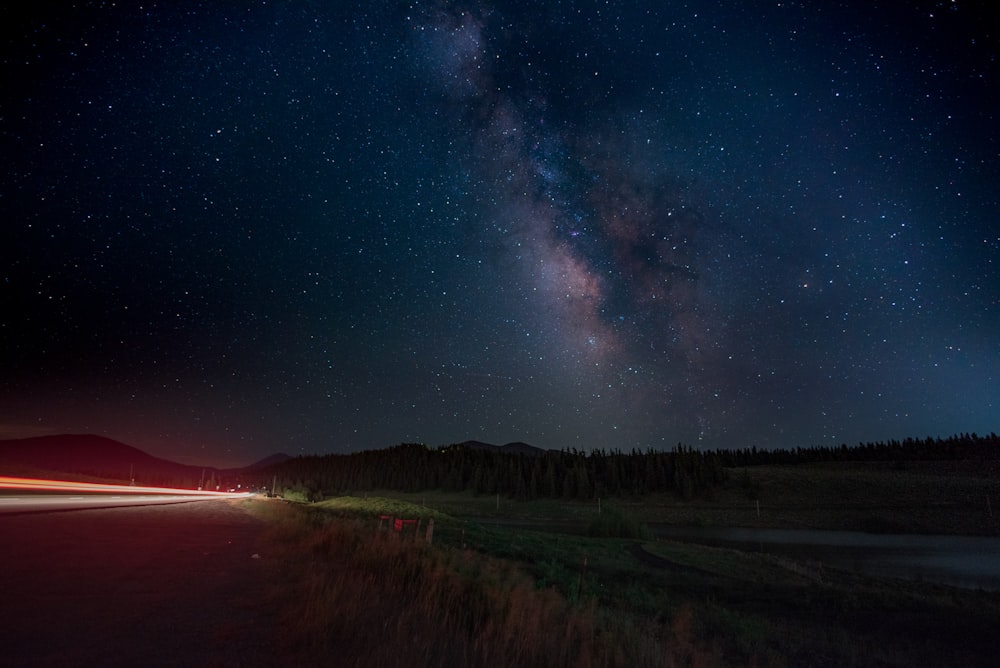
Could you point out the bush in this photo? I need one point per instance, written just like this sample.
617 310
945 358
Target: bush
297 494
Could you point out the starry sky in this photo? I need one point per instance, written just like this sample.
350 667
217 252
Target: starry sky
231 229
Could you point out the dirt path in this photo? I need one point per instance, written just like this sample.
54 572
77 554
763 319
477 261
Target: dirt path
173 585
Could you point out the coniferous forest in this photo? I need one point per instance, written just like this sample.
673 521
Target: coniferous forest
531 473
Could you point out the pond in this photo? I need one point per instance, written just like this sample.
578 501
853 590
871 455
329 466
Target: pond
972 562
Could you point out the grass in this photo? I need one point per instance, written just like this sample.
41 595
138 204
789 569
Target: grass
961 498
484 594
358 596
923 497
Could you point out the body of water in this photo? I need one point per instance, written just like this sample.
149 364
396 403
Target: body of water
972 562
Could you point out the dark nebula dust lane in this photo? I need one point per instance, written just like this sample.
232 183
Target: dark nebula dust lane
230 231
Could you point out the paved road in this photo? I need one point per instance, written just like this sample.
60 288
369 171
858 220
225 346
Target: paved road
25 503
161 585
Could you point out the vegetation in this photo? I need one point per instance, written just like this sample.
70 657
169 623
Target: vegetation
360 597
683 472
547 558
347 587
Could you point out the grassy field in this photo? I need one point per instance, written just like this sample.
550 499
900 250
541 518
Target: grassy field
961 498
484 594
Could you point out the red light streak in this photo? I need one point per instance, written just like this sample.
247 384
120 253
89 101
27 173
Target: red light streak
85 487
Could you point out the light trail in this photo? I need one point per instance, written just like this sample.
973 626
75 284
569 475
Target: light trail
38 484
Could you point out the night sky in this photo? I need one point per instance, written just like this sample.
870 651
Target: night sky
231 229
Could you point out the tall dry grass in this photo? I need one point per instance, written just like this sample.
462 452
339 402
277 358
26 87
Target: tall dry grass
347 594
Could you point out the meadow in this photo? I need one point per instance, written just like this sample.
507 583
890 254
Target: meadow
583 583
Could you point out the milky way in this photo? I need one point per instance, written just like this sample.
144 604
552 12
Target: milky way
318 229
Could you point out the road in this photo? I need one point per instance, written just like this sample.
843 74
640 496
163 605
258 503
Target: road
32 503
176 584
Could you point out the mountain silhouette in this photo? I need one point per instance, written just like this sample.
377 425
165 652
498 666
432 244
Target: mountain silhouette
88 455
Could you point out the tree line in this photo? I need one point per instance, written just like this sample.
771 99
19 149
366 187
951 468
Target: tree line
569 474
968 446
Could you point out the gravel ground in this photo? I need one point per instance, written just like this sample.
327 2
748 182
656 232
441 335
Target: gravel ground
173 585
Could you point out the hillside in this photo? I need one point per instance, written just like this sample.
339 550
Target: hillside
89 455
517 447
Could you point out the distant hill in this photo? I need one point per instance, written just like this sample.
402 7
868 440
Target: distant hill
522 448
87 456
90 455
516 447
276 458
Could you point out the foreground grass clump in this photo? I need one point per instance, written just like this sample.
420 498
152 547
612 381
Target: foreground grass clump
364 597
